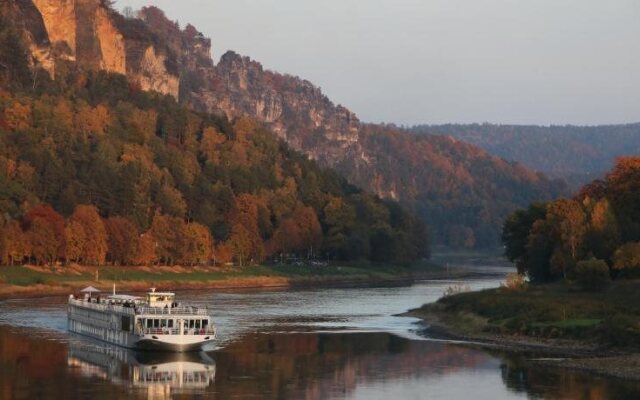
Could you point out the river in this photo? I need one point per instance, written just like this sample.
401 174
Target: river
311 344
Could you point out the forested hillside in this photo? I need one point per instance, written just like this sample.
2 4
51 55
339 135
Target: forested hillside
461 192
464 192
597 229
574 153
93 169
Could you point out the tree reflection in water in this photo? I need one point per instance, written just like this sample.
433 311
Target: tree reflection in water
285 366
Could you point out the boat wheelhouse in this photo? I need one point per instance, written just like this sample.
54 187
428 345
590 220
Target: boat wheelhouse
155 322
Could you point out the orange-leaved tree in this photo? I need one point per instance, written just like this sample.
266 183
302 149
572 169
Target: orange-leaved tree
95 247
45 228
14 244
199 246
122 239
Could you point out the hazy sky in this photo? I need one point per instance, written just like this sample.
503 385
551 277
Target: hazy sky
436 61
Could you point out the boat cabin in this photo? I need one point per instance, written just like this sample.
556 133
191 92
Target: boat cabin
161 299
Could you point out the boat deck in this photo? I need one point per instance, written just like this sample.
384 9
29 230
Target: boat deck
133 309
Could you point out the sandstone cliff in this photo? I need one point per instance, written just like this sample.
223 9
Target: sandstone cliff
89 33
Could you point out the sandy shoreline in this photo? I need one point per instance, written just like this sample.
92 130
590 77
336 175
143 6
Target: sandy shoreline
558 353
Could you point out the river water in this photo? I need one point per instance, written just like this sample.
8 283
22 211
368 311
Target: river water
283 344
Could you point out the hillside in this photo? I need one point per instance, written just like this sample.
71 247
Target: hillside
462 192
574 153
93 169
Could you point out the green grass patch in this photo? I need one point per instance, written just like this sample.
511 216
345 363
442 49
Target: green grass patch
557 310
21 276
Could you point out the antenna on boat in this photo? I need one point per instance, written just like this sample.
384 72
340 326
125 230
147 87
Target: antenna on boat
114 287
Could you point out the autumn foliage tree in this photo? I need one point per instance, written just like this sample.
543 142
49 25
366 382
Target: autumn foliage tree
94 249
169 236
123 240
602 222
199 244
75 241
14 244
45 229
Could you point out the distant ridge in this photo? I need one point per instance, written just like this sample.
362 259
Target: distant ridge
577 154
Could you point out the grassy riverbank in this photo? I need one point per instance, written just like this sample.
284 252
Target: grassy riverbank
598 332
28 281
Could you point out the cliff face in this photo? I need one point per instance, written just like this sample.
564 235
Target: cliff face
294 109
92 35
59 19
82 31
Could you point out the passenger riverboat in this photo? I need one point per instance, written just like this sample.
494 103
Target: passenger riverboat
153 322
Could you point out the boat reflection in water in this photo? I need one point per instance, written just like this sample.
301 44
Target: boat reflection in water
160 374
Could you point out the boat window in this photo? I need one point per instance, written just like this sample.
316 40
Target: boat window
205 323
197 324
191 323
163 323
170 323
126 323
156 323
149 323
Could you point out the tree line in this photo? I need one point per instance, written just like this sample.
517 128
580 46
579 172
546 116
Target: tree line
595 232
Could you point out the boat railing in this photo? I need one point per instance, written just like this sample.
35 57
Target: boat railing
138 310
171 310
209 330
103 306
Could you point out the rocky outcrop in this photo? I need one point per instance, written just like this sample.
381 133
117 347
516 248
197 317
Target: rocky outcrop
293 108
59 18
111 41
152 74
82 30
89 33
27 15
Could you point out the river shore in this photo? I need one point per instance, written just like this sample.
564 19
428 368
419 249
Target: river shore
36 281
584 355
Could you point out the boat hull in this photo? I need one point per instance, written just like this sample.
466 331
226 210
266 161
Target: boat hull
157 345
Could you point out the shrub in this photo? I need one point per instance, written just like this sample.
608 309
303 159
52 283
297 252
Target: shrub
592 274
515 281
620 330
627 256
456 289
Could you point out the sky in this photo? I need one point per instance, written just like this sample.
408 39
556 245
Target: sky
441 61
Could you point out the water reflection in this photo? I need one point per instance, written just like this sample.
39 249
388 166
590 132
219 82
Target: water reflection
536 381
160 374
309 366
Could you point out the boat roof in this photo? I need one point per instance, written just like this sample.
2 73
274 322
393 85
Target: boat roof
124 297
90 289
163 293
